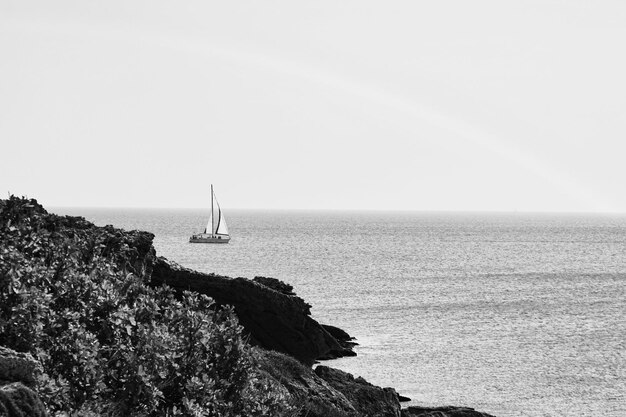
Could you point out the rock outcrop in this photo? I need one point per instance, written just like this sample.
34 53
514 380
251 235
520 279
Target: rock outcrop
18 367
366 398
448 411
275 319
17 383
314 396
326 391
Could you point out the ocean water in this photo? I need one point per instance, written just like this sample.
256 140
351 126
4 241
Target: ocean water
512 314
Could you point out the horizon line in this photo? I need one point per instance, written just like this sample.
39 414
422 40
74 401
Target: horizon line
353 209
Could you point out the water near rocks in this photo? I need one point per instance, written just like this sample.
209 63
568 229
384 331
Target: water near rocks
514 315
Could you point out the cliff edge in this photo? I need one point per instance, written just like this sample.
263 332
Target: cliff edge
275 320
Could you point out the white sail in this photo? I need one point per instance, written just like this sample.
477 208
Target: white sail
220 227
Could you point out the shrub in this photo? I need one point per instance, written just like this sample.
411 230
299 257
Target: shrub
75 296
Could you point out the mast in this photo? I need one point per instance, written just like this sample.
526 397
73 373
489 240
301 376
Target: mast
212 217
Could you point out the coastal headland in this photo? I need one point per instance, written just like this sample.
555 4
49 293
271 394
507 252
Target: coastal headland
93 322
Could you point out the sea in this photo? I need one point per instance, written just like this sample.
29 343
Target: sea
513 314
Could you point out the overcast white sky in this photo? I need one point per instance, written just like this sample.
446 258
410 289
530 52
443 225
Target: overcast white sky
438 105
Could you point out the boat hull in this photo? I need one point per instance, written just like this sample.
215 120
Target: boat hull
209 239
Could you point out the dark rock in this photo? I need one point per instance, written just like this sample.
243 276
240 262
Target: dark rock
416 411
344 339
275 284
18 400
367 399
18 373
339 334
310 394
274 320
18 367
403 399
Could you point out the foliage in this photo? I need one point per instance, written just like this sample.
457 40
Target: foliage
75 296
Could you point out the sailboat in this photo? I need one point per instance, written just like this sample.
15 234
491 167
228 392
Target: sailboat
216 230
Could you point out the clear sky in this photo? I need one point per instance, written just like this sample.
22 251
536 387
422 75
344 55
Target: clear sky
416 105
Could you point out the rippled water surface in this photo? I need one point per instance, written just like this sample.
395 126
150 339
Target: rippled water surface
515 315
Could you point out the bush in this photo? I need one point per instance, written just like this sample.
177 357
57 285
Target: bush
75 297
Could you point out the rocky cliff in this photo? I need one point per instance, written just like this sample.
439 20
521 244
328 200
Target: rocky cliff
17 385
99 289
276 320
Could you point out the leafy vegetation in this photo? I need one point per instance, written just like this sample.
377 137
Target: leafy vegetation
75 296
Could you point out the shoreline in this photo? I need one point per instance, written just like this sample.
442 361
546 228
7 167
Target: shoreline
288 340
